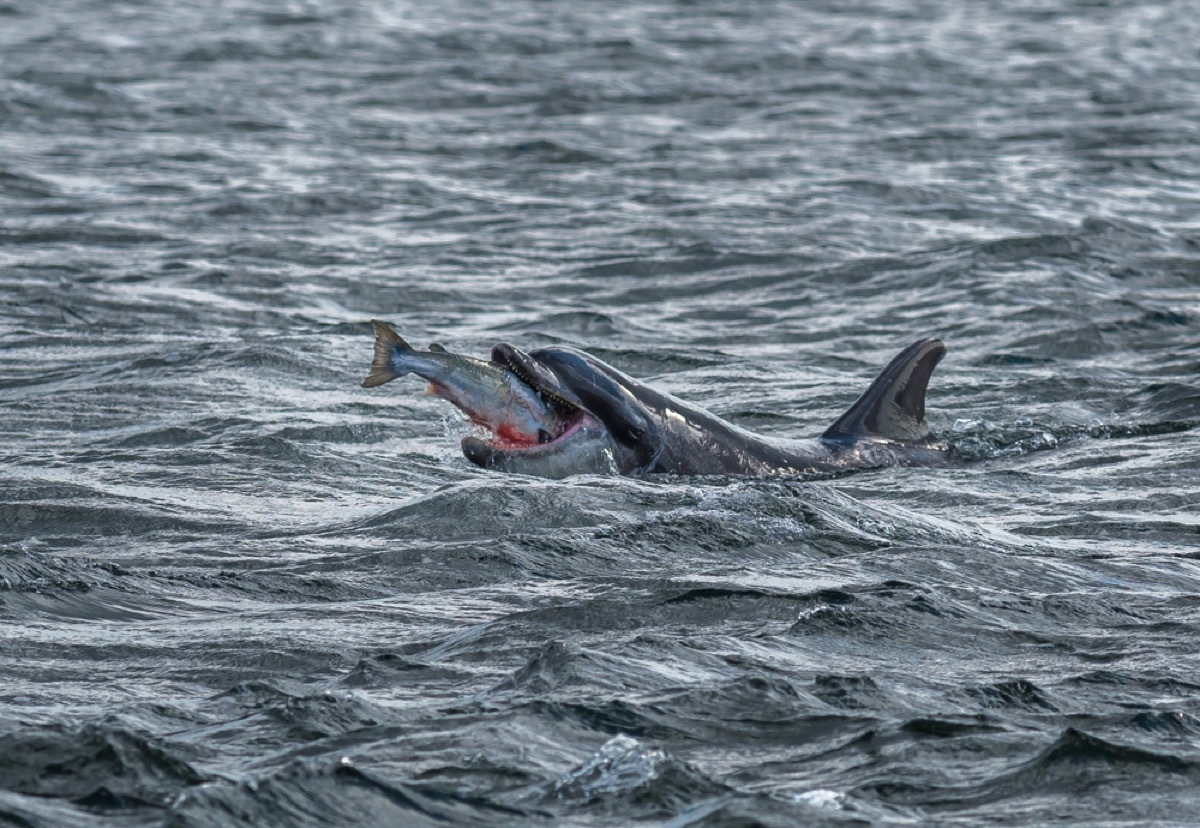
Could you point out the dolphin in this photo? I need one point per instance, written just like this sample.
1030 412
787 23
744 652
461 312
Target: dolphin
608 422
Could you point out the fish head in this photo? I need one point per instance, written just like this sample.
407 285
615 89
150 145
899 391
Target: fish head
603 426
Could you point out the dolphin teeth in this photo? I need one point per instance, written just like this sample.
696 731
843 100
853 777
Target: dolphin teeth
558 402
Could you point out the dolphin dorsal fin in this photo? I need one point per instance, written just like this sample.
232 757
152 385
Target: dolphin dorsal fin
893 408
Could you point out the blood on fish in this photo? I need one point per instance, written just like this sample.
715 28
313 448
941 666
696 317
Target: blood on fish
512 435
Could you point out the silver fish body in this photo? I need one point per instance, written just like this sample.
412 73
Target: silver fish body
489 394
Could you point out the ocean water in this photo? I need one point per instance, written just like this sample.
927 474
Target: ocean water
238 589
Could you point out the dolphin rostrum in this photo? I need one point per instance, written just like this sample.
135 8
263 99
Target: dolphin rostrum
595 419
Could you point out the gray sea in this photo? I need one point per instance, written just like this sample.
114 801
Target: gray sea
237 589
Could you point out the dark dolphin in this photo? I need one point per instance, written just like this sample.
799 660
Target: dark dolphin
612 423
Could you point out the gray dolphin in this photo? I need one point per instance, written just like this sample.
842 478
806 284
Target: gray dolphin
611 423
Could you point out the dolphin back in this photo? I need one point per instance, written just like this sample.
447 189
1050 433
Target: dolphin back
893 407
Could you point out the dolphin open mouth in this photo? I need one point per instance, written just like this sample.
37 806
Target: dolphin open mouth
569 416
553 412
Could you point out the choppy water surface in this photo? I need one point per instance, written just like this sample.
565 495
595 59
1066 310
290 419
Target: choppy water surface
237 589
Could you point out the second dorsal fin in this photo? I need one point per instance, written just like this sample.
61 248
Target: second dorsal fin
893 407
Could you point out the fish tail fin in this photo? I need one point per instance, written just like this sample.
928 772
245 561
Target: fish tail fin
893 407
387 342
